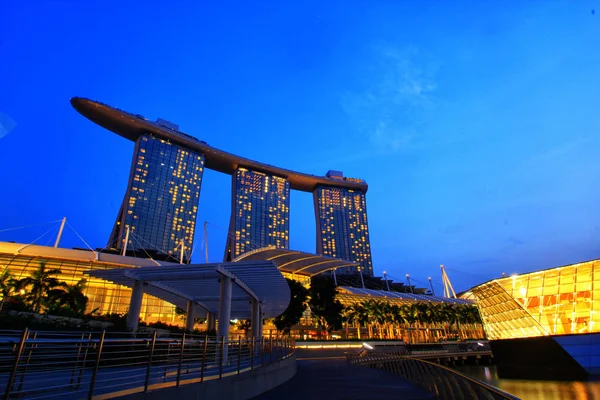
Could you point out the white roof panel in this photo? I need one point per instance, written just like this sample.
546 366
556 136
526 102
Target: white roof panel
179 284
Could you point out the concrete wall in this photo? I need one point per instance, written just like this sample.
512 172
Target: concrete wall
584 348
536 358
237 387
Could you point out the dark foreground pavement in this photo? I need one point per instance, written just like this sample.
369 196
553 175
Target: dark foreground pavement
322 376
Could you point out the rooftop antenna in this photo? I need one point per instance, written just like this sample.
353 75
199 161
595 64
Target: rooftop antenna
431 286
447 285
409 285
206 240
60 231
126 241
387 284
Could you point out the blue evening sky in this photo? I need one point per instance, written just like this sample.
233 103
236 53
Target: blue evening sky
476 124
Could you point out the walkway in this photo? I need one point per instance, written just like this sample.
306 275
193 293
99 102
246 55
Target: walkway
327 375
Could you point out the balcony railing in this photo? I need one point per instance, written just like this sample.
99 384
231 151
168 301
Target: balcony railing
442 382
102 365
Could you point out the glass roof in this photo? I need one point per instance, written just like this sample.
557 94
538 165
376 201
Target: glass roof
296 262
403 296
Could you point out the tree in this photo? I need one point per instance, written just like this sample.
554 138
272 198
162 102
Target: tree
39 284
69 299
243 325
292 314
7 286
323 303
354 314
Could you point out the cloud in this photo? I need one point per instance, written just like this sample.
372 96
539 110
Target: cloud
349 159
454 228
551 155
515 241
397 98
6 125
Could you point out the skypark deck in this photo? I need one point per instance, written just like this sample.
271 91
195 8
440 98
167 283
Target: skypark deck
131 126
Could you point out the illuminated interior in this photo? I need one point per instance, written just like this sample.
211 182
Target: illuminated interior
557 301
102 295
303 279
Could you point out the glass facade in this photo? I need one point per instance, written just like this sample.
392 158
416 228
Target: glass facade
161 202
104 296
342 228
563 300
260 214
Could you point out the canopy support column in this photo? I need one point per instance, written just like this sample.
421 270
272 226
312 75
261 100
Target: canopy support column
191 316
210 321
260 326
135 305
256 318
224 313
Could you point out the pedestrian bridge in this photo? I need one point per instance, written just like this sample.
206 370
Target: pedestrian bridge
98 365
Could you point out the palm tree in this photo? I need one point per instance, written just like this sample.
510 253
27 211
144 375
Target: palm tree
7 285
39 283
381 316
415 312
370 309
353 314
72 297
439 318
406 316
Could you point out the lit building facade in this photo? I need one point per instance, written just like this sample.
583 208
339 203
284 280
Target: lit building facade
260 213
104 297
161 201
557 301
342 226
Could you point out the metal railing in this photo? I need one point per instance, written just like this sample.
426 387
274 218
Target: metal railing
102 365
421 351
442 382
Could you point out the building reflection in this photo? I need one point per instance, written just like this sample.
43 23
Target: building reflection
533 389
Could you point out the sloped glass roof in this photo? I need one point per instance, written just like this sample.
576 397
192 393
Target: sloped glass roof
403 296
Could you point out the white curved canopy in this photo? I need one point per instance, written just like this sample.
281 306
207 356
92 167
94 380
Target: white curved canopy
178 284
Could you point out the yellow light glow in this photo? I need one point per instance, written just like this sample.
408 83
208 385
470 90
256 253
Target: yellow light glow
550 302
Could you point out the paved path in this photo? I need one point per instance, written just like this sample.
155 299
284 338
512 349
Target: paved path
330 377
